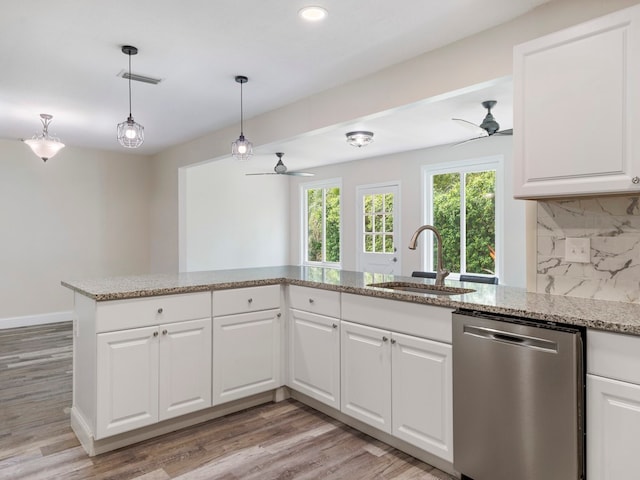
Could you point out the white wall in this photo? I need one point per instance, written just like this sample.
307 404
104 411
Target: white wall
476 59
233 220
83 213
406 167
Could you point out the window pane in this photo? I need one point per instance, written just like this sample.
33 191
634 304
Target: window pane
389 223
368 243
368 203
333 224
388 243
446 218
377 202
377 243
377 227
388 202
480 221
368 223
314 222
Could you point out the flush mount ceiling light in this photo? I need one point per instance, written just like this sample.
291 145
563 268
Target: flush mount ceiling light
313 13
359 138
242 148
44 145
130 133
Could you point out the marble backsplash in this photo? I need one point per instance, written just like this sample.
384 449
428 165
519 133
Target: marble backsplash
613 226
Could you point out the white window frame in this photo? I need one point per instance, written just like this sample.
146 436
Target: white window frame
324 184
493 162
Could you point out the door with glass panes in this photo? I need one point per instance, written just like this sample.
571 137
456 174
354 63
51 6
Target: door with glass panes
378 236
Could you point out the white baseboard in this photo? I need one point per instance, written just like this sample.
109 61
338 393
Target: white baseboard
41 319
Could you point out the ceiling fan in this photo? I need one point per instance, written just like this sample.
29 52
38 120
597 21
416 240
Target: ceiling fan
488 127
281 169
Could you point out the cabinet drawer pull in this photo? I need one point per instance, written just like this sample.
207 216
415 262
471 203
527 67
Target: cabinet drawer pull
335 325
393 341
385 339
311 300
635 180
164 332
160 310
250 300
155 334
279 315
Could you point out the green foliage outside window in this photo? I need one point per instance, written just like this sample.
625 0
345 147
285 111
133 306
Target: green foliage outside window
323 224
478 215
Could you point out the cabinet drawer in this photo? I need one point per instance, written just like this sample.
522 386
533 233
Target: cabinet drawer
242 300
613 355
315 300
141 312
414 319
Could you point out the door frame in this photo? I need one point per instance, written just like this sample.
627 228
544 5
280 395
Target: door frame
397 225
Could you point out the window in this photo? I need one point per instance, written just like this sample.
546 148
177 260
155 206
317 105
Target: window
464 202
322 221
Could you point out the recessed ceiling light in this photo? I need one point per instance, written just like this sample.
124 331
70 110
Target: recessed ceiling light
313 13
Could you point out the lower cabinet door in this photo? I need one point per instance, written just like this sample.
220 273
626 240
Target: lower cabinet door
366 375
246 355
314 356
185 367
613 429
422 394
127 380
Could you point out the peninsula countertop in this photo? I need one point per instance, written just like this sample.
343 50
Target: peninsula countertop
598 314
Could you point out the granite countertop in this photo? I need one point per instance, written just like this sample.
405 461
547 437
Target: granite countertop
599 314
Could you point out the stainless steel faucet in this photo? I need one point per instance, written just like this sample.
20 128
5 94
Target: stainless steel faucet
441 272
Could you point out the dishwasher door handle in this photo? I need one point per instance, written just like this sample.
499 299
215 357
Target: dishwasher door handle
511 338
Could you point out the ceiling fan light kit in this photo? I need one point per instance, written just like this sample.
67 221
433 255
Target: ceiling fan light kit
130 134
44 145
242 148
359 138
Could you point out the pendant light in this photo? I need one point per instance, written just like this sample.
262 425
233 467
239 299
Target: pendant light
130 133
44 145
242 148
359 138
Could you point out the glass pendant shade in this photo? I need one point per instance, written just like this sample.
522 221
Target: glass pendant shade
130 133
359 138
242 148
44 145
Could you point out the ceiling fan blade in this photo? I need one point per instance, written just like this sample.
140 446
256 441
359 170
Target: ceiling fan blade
265 173
470 125
508 131
300 174
469 140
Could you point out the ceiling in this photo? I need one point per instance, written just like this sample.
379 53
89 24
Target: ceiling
64 57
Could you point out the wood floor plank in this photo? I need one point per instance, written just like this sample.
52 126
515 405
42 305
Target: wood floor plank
280 441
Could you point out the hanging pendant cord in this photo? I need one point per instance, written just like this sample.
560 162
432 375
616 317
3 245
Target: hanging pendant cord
241 114
129 85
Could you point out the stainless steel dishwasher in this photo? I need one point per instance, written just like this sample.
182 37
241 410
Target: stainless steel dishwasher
518 396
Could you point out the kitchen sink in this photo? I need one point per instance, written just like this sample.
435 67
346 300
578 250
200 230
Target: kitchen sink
421 288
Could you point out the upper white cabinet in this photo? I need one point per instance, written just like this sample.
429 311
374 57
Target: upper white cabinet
314 343
613 405
577 110
247 332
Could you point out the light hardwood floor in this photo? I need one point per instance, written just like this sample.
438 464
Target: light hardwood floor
285 440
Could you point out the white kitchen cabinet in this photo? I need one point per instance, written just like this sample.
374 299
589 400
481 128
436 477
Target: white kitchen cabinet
422 393
577 109
366 375
613 405
314 344
400 384
150 374
247 354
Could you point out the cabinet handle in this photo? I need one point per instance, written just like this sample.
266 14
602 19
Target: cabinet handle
385 339
160 310
164 332
311 300
155 334
335 325
635 180
393 341
250 300
279 315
